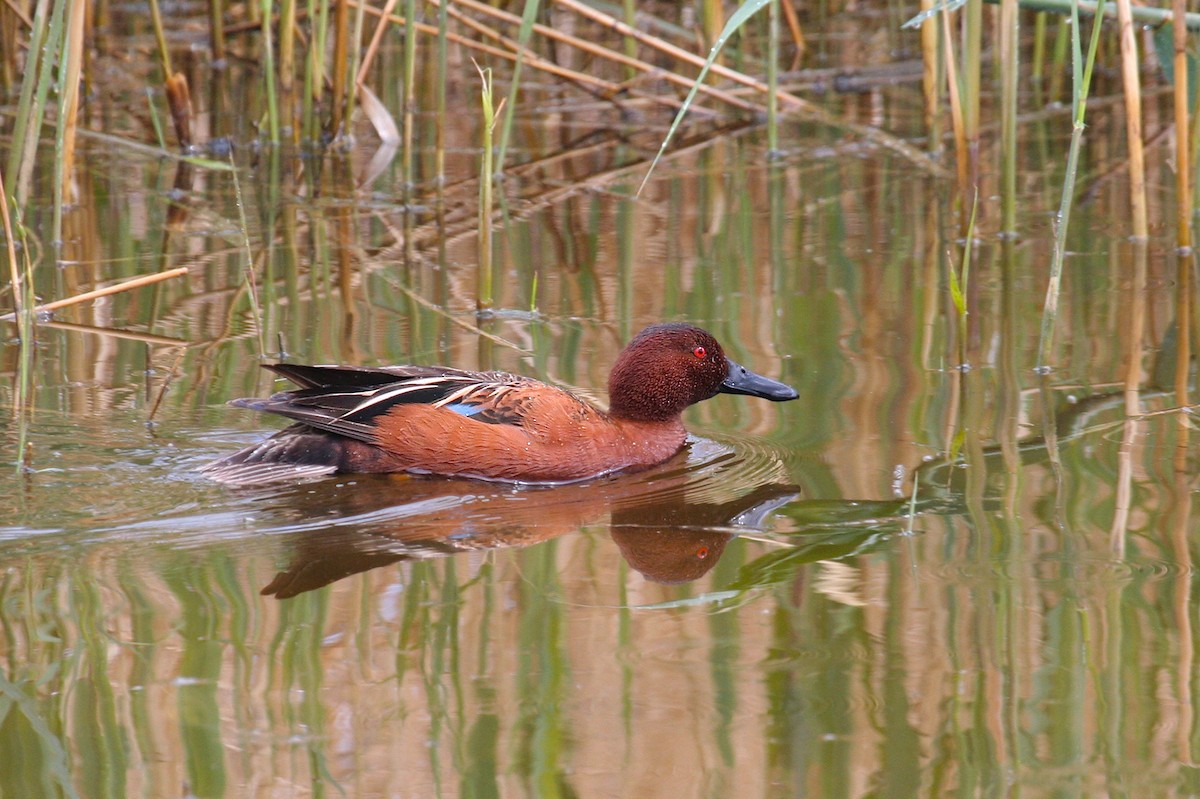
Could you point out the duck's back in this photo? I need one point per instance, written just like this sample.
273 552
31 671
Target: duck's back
444 421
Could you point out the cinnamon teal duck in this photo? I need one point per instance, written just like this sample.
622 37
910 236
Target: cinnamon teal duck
491 425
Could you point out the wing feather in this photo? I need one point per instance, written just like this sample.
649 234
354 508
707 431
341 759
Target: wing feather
346 400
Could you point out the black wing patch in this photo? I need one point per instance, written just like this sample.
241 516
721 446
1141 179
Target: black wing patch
346 401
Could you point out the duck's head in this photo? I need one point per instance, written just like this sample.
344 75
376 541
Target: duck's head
668 367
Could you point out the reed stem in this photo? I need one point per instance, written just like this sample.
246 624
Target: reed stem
972 81
287 68
773 78
1183 193
70 71
408 95
1133 120
35 87
22 289
268 68
1142 14
339 119
248 270
930 62
442 55
1010 68
1082 75
485 300
115 288
216 25
528 18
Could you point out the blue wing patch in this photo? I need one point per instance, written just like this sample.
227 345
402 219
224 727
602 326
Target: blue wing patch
464 408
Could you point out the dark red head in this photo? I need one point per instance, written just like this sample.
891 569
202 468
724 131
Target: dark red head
668 367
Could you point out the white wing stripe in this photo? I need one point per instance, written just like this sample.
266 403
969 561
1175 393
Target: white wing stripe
409 386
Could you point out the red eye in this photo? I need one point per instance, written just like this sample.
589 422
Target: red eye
702 553
699 352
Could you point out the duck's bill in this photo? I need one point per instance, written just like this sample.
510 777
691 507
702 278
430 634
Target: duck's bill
741 380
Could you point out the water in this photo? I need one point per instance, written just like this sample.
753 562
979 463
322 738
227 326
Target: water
918 579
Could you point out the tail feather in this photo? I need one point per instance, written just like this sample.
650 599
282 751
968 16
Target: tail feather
296 452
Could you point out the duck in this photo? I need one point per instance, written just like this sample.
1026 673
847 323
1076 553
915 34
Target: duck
439 420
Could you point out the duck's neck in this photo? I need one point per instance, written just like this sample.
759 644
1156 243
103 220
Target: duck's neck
647 444
642 397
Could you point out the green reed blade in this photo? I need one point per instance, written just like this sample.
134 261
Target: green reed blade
528 17
736 21
1082 72
248 270
486 177
287 65
440 155
46 39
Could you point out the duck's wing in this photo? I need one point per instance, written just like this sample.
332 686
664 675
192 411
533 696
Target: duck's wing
341 377
348 400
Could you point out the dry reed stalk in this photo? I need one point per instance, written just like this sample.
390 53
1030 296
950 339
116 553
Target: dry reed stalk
582 44
10 243
69 86
929 77
1132 432
1133 120
373 46
1010 66
793 23
679 53
179 99
216 25
961 154
19 12
555 195
1183 169
609 89
162 391
287 67
113 332
341 47
287 46
1183 204
598 85
116 288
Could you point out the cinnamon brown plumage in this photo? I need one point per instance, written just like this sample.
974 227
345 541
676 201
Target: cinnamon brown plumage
491 425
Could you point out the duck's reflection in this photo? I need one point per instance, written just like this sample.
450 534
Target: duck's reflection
660 527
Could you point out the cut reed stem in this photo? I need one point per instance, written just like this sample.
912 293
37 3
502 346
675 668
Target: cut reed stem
115 288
